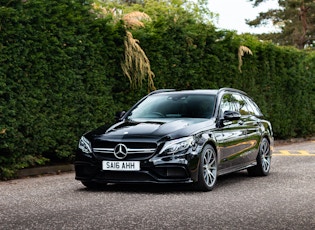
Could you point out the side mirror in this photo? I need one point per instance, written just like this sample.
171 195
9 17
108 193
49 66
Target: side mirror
119 115
231 115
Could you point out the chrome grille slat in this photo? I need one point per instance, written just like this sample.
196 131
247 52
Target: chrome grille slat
130 150
103 150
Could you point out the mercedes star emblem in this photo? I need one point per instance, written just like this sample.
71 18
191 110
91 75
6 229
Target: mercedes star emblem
120 151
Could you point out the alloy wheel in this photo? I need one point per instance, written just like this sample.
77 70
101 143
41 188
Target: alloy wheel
209 167
265 155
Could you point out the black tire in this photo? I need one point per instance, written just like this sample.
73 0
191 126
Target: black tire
208 168
93 185
263 160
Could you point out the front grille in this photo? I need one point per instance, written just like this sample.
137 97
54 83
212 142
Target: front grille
135 151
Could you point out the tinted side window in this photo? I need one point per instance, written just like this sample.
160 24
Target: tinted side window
239 103
244 108
253 107
228 102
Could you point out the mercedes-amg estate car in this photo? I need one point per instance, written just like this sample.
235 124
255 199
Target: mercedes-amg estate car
170 136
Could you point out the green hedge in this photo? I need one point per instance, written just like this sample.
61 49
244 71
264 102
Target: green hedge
57 68
60 75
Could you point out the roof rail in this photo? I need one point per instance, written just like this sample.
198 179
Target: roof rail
232 90
161 91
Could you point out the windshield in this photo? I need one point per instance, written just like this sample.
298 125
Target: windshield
175 106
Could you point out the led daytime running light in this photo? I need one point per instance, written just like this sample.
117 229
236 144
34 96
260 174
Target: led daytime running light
178 145
85 145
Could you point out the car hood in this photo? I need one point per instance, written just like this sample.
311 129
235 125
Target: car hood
156 130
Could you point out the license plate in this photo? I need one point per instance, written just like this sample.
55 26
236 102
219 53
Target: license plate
121 165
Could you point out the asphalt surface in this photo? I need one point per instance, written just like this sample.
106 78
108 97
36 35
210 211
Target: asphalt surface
283 200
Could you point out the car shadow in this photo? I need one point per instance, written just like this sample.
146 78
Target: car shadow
223 181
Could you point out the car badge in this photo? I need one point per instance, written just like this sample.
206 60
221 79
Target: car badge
120 151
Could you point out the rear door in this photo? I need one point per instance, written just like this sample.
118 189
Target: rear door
234 143
254 132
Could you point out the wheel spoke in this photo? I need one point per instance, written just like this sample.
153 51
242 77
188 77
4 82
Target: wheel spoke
212 176
209 178
207 158
212 162
266 163
206 176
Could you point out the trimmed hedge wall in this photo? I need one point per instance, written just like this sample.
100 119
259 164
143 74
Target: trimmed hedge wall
60 75
57 71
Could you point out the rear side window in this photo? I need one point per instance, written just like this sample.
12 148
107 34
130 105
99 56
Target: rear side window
239 103
231 102
253 107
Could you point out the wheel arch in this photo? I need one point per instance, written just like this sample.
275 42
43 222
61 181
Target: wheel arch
270 139
212 143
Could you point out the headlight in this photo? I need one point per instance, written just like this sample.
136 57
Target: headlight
85 145
178 145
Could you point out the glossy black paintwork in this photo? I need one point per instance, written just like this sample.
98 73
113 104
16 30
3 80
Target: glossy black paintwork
157 130
235 139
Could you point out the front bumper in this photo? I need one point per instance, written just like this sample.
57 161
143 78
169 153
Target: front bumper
181 169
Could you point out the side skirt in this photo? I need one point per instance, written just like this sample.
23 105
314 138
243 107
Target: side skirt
236 168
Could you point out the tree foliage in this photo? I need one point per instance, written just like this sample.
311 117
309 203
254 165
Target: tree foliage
296 20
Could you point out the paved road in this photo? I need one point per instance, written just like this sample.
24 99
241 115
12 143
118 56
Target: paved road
305 148
283 200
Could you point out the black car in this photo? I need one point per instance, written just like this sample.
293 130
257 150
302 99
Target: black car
170 136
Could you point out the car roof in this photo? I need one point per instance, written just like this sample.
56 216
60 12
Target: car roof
197 91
